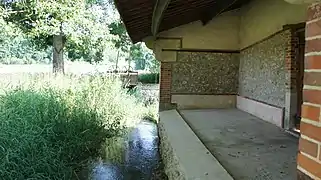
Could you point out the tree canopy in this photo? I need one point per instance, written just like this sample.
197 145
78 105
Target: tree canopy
17 48
138 53
86 29
81 23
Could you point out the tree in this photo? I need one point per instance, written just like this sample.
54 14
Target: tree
90 40
123 41
138 56
16 47
139 53
152 63
60 23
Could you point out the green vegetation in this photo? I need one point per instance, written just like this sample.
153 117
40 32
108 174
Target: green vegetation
41 31
51 128
16 47
143 58
148 95
76 24
149 78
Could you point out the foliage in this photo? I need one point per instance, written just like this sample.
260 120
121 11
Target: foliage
123 41
49 129
144 58
148 94
152 113
91 40
92 30
149 78
152 64
139 53
81 22
16 47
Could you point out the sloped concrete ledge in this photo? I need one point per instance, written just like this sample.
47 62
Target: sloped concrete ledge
266 112
184 155
190 101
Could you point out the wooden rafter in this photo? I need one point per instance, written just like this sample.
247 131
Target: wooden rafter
159 9
144 18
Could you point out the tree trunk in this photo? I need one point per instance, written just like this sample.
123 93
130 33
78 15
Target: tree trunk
58 54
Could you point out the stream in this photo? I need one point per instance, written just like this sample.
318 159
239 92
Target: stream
142 160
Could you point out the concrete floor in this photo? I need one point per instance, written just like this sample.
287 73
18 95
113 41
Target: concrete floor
247 147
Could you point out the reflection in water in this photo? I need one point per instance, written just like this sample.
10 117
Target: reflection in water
106 171
141 157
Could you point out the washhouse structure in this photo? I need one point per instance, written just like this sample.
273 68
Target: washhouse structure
240 85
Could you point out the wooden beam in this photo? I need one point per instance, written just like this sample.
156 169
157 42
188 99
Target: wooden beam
159 9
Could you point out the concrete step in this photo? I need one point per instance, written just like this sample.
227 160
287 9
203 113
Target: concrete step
184 155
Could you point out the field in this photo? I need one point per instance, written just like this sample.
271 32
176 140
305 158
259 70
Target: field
70 67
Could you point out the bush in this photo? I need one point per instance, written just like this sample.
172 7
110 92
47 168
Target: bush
50 129
148 95
149 78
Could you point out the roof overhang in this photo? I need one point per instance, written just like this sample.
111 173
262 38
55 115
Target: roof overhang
144 18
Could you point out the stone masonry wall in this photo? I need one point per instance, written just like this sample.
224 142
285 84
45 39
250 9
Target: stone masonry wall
173 167
262 71
205 73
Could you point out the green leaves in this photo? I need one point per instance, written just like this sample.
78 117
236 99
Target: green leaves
139 53
123 41
16 47
50 128
91 28
41 19
82 22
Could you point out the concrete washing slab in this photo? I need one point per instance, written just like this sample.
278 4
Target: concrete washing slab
184 155
247 147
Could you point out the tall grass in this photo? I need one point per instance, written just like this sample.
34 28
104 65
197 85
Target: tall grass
149 96
51 127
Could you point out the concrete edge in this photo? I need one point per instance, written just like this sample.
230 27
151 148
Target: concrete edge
261 110
184 155
194 101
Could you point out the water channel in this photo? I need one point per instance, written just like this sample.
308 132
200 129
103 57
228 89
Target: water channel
142 160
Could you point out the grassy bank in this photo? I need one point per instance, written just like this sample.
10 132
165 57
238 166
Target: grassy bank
51 127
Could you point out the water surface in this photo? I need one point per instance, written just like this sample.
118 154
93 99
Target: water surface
141 157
